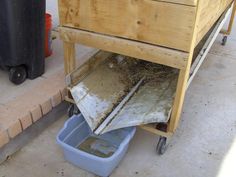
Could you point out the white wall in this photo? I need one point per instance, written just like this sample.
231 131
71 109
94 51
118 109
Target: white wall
52 8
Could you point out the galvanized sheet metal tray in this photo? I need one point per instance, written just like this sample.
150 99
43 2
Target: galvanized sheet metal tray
122 92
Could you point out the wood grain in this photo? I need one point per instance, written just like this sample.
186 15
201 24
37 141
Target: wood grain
210 11
155 22
156 54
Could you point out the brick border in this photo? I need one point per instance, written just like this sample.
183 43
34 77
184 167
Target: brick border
37 112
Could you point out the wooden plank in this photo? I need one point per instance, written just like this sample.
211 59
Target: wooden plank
150 128
209 11
69 57
183 79
152 53
179 100
165 24
207 46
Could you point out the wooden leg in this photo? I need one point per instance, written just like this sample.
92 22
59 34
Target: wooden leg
231 22
69 57
179 100
183 83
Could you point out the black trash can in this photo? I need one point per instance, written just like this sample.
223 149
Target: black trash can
22 31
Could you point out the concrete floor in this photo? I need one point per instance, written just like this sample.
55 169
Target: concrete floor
203 146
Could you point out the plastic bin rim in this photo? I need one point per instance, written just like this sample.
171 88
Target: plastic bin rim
124 143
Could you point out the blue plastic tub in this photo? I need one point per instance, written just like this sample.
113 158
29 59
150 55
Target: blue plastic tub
97 154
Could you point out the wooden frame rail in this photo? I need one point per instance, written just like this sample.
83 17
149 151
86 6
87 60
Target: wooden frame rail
169 57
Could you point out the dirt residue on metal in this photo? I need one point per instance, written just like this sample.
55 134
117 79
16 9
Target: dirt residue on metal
134 69
104 88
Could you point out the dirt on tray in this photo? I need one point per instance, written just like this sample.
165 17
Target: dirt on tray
136 69
104 88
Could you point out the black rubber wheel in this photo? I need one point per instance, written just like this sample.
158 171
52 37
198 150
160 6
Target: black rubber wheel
224 40
17 75
73 110
162 145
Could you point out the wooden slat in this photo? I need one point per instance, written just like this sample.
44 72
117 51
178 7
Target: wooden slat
150 128
209 11
152 53
183 80
155 22
207 46
69 57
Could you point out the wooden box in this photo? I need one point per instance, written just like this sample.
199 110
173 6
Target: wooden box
168 23
166 32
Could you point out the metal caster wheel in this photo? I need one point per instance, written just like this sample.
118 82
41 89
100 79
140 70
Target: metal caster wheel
17 75
162 145
73 110
224 40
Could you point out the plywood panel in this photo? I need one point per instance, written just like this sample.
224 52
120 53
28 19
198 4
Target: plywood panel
160 23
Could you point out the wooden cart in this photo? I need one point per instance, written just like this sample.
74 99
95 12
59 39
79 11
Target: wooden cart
167 32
